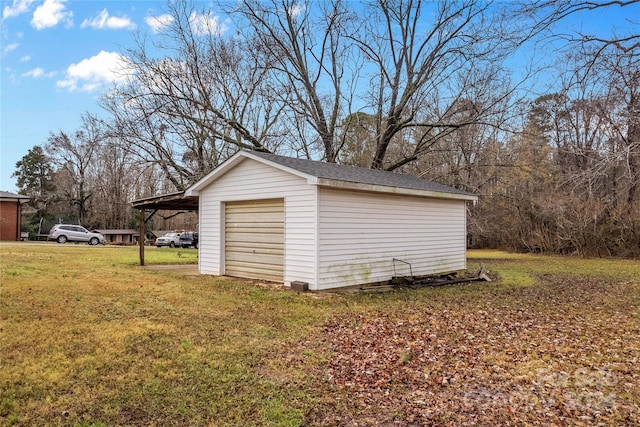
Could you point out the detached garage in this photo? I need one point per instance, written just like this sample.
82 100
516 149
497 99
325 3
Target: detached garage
270 217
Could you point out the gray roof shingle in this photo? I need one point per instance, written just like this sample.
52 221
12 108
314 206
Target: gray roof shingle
358 175
8 195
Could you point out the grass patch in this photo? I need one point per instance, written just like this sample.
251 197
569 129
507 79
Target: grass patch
521 269
553 342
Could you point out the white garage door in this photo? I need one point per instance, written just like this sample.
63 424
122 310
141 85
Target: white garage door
254 239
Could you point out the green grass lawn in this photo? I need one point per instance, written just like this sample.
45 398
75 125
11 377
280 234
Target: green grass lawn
89 338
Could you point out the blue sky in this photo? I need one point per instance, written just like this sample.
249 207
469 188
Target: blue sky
58 55
56 58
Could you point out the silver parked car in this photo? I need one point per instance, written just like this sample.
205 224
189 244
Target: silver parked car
62 233
170 239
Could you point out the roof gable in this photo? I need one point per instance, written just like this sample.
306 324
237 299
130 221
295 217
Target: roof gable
335 175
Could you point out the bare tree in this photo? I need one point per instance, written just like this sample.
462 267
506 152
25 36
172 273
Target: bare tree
358 139
545 14
426 57
622 111
115 180
574 182
311 62
404 63
74 155
203 99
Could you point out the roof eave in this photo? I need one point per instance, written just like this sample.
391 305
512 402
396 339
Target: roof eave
347 185
19 198
171 201
159 197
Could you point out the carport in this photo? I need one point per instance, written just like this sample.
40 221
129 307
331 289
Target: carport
172 202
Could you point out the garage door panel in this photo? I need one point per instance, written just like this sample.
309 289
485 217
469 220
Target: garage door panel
257 224
261 240
255 272
251 218
248 208
254 239
262 259
254 231
245 209
255 248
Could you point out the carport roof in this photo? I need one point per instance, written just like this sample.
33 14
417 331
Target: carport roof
172 201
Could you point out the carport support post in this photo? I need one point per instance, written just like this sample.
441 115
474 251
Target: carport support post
142 235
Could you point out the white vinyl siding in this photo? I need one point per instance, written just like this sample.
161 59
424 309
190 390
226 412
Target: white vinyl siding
254 239
333 237
360 234
250 180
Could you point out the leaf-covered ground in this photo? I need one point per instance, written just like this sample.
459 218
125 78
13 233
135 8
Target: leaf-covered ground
90 339
563 352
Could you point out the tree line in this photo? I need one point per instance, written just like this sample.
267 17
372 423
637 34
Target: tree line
426 88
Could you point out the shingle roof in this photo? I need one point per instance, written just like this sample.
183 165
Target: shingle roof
7 195
358 175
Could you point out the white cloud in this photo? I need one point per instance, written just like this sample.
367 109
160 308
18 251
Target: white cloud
51 13
37 73
10 75
295 11
103 20
157 23
18 7
92 73
206 24
8 48
25 58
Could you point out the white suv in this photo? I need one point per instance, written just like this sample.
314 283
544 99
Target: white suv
170 239
74 233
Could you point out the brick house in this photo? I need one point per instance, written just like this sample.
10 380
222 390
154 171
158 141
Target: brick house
11 215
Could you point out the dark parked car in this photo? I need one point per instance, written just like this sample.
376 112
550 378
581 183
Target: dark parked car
189 238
